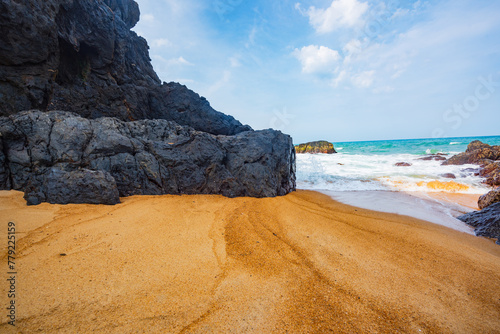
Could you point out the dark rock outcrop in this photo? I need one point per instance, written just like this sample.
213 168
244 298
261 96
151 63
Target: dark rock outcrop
476 153
78 186
321 146
486 222
131 134
491 171
481 154
402 164
448 176
489 198
82 56
43 151
437 157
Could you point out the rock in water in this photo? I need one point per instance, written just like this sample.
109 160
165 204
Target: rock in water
436 157
321 146
486 222
146 157
491 171
81 56
481 154
489 198
476 153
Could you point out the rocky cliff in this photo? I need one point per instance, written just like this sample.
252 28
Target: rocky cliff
81 56
122 131
320 146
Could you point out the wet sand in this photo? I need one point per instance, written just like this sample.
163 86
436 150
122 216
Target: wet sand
302 263
436 207
466 200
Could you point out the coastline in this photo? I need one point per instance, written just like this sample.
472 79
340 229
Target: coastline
438 207
198 263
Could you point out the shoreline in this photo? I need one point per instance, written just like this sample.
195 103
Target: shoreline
197 263
438 208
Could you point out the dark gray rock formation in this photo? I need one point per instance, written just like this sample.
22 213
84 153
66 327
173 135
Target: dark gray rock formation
489 198
476 153
82 56
437 157
78 186
131 134
479 153
43 151
486 222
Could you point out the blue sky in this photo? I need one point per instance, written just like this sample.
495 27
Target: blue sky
340 70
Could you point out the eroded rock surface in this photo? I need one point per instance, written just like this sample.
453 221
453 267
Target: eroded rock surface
486 222
489 198
476 153
142 157
81 56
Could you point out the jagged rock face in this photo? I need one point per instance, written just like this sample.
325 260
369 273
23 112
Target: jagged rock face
146 157
489 198
491 171
486 222
78 186
321 146
476 153
132 135
82 56
482 154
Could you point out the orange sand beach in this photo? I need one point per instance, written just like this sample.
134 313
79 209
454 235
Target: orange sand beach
301 263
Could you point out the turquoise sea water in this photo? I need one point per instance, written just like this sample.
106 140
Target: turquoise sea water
412 146
371 165
365 174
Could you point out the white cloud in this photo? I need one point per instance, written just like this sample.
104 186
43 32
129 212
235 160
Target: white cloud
363 79
341 13
179 61
160 42
383 90
400 12
353 46
251 37
317 59
148 18
158 58
226 76
342 75
351 50
172 61
234 61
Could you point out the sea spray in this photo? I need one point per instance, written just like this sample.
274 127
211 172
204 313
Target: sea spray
372 166
365 174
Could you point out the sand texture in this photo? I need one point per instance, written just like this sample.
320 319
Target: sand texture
301 263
